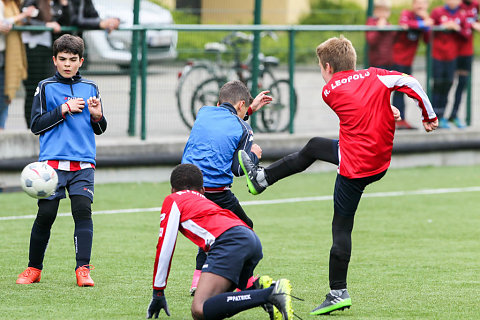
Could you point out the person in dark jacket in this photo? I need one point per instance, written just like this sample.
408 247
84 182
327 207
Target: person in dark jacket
85 16
38 44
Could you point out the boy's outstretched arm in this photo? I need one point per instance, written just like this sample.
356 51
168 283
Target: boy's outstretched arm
260 100
407 84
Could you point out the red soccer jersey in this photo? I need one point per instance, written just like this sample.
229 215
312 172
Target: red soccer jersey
380 45
471 13
361 100
446 44
406 43
197 218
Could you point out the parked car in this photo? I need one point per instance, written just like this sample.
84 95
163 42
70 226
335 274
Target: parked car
115 47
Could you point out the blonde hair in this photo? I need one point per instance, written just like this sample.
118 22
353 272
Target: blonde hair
339 53
382 3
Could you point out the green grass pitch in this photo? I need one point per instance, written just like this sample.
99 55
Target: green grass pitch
415 256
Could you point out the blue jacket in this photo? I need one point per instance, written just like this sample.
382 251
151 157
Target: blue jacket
216 137
70 138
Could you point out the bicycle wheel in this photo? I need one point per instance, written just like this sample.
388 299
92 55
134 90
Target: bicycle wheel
191 76
265 81
206 94
276 115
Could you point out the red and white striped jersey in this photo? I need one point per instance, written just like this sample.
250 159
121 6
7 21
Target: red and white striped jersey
446 44
361 100
406 43
67 165
197 218
471 9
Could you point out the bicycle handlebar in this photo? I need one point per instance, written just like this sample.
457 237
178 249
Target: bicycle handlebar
238 37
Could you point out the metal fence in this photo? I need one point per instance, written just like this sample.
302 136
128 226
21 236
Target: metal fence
145 100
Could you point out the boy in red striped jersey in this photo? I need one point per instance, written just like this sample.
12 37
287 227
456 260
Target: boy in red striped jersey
233 249
445 52
361 100
416 23
464 59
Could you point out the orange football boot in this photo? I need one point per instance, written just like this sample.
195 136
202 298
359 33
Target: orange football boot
83 276
30 275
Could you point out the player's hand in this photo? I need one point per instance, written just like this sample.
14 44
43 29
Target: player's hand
257 150
451 25
476 26
110 24
158 303
430 126
261 100
382 22
54 25
75 105
5 27
95 108
428 22
396 113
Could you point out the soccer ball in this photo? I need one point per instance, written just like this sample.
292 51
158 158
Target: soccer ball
39 180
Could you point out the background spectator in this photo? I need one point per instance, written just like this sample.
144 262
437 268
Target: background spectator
13 64
39 45
417 23
380 43
85 16
464 60
445 52
4 29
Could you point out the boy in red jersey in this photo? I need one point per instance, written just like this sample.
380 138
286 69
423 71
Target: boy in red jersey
445 52
416 23
380 43
233 252
361 100
464 59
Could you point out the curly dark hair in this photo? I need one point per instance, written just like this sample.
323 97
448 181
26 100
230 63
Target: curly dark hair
186 176
70 44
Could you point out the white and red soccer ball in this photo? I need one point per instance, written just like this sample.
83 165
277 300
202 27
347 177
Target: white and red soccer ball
39 180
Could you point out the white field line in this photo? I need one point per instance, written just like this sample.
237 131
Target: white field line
278 201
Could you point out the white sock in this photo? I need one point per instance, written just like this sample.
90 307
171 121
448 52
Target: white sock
261 178
337 292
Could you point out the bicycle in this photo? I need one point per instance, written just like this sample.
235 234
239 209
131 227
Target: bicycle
208 77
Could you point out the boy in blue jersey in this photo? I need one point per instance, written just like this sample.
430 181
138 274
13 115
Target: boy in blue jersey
67 114
218 134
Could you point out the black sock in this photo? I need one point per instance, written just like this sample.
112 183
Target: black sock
228 304
38 245
340 252
200 259
47 212
317 148
83 234
83 237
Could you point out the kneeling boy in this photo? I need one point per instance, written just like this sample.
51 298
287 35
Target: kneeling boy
233 252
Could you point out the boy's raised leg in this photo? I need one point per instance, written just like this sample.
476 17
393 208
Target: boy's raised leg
255 175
